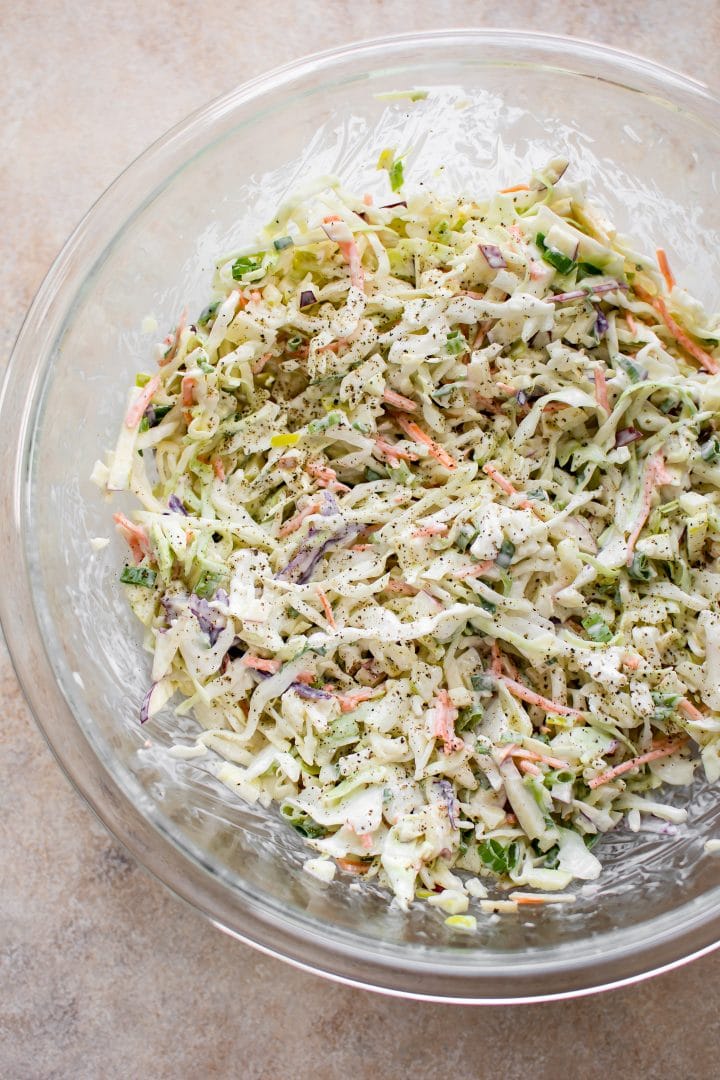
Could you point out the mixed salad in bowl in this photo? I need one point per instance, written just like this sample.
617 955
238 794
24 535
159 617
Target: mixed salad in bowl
427 529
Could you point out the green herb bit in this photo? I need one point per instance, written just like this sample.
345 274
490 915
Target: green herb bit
139 575
142 378
207 313
283 242
500 858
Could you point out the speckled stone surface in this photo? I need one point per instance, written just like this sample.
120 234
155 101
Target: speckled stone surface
102 972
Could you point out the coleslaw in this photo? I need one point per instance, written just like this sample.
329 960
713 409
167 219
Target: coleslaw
429 514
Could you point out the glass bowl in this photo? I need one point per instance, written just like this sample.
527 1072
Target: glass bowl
500 103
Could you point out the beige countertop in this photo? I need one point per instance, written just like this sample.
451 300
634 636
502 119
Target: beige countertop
102 972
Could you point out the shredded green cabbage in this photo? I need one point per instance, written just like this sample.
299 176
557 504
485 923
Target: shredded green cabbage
430 515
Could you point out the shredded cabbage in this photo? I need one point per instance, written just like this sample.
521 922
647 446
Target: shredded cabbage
428 528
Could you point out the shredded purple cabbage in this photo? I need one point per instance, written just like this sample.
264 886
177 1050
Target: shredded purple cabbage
310 692
307 297
392 205
601 325
300 568
177 506
449 797
145 707
330 504
493 256
578 294
626 436
206 618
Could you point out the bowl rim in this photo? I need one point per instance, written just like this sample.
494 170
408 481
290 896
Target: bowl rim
136 831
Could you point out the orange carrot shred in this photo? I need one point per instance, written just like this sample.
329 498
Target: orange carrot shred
326 608
665 269
416 433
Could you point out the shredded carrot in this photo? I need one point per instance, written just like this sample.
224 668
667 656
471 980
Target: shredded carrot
476 570
297 519
325 476
690 710
135 412
655 475
260 364
514 188
189 383
389 451
444 723
540 898
523 693
402 588
665 269
350 699
218 468
532 755
351 255
660 751
496 667
135 535
509 489
537 270
502 482
361 547
352 866
368 199
632 325
260 664
431 530
516 232
416 433
173 340
305 677
399 401
632 662
529 767
601 394
681 336
326 608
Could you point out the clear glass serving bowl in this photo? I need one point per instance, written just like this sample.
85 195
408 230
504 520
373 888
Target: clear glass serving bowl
500 103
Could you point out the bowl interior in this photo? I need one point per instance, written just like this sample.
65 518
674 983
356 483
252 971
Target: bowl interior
642 142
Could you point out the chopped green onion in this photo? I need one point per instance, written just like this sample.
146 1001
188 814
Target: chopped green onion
207 313
396 175
561 262
665 705
635 373
484 684
639 569
468 718
294 343
456 343
586 269
710 451
246 264
139 575
371 475
506 554
597 628
208 584
141 379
